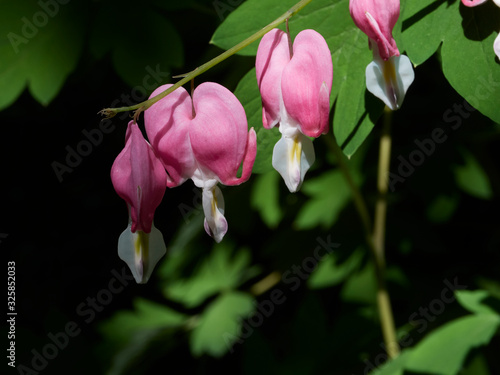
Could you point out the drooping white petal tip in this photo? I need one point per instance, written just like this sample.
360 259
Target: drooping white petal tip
389 80
141 251
213 207
292 158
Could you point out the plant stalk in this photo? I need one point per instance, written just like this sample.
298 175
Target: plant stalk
375 236
379 229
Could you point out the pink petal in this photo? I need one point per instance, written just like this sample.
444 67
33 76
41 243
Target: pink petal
139 178
306 83
472 3
273 55
376 18
218 132
167 125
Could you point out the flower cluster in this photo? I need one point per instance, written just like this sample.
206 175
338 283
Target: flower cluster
205 138
390 74
473 3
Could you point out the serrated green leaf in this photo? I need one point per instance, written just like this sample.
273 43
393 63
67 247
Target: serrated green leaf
331 271
472 179
39 48
248 94
219 272
444 350
265 198
220 325
146 315
329 193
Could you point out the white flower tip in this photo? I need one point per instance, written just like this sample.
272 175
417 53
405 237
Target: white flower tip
292 158
389 80
213 207
496 44
141 251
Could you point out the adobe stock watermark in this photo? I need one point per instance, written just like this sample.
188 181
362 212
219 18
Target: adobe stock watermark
224 7
32 25
292 278
426 147
88 310
94 137
419 319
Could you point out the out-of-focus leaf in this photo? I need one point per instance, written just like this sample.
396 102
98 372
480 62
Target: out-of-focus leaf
329 193
472 179
360 287
39 48
146 315
477 366
248 93
331 272
220 325
219 272
265 198
394 366
144 45
444 350
472 300
442 208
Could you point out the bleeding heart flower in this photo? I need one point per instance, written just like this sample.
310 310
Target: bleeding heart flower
205 139
139 178
390 74
473 3
295 86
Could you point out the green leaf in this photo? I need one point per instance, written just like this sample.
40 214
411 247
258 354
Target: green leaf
356 111
467 35
472 301
394 366
331 271
246 20
141 41
265 198
469 62
220 324
472 179
442 208
329 193
248 94
219 272
39 48
360 287
146 315
420 40
134 337
443 351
